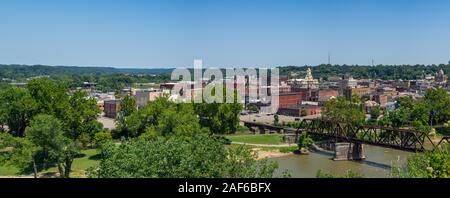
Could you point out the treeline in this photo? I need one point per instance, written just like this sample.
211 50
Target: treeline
107 79
384 72
26 71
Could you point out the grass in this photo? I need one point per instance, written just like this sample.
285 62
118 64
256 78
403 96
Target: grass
271 139
80 165
9 171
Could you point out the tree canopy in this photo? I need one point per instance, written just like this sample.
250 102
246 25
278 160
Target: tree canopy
345 110
203 156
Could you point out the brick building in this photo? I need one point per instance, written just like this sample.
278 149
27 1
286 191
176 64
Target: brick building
301 111
292 99
381 99
325 95
111 108
360 91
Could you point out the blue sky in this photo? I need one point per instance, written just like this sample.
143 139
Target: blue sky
224 33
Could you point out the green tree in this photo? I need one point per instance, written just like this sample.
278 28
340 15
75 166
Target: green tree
18 152
17 108
81 116
439 103
127 108
102 138
304 141
220 118
405 102
426 165
344 110
164 118
253 108
47 133
375 112
399 118
276 120
51 98
420 112
201 157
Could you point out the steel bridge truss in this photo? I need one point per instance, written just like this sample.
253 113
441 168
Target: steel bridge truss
401 139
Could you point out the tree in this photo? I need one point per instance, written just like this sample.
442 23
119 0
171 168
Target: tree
17 107
253 108
375 112
405 102
420 112
163 118
276 120
220 118
81 116
50 98
304 141
426 165
47 133
439 103
17 151
345 110
127 108
398 118
102 138
201 157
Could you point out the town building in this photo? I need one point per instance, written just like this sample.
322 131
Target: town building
300 111
441 78
359 91
111 108
347 82
143 96
307 82
292 99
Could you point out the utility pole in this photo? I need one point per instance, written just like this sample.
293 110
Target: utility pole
329 58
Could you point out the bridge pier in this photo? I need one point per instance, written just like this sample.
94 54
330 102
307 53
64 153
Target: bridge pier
348 151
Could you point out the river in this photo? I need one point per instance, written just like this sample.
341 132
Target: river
378 163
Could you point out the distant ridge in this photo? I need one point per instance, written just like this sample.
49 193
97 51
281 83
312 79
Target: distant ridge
16 70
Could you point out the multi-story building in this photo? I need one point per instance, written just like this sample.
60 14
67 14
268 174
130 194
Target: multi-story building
143 96
347 82
360 91
308 82
441 78
111 108
381 99
325 95
292 99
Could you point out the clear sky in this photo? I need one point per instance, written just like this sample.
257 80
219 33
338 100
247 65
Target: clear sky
224 33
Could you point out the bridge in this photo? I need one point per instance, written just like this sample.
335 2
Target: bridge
401 139
263 127
349 139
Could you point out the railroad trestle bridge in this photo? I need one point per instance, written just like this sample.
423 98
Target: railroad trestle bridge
349 139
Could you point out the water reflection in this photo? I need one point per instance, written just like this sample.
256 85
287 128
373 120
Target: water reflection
377 165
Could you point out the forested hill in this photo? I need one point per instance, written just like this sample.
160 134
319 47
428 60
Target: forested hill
385 72
25 71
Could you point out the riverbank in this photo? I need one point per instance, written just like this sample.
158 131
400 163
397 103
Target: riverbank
270 154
